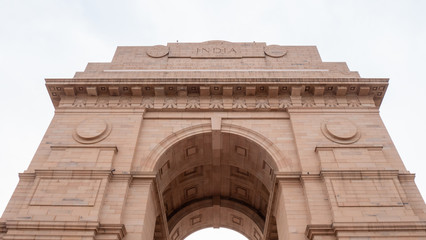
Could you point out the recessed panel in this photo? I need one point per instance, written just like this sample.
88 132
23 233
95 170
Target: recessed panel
66 192
366 193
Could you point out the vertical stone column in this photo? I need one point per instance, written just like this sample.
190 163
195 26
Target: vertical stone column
317 200
140 211
115 199
413 194
291 213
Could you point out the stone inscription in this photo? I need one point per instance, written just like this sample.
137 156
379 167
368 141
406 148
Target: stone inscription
217 52
216 49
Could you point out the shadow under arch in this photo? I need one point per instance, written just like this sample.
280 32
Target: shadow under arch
223 178
278 163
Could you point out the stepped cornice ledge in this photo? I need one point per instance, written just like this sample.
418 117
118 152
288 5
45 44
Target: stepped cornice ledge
284 92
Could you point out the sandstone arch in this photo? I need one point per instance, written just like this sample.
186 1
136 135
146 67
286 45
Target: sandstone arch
277 160
266 140
227 185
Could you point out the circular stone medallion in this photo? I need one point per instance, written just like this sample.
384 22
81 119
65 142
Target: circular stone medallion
340 130
91 130
157 51
275 51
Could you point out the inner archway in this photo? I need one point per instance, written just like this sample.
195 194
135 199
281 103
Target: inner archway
211 233
215 180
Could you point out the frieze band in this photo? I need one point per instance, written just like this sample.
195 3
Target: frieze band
216 102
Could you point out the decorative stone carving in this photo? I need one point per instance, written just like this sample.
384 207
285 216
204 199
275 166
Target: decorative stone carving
284 101
92 130
353 101
157 51
340 130
275 51
148 102
170 103
236 102
79 102
330 101
216 102
125 102
193 102
262 103
239 103
308 101
102 102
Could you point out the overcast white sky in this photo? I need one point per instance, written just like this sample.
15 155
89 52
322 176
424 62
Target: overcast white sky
54 38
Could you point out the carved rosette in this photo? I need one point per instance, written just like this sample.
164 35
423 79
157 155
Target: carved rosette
158 51
275 51
340 130
92 130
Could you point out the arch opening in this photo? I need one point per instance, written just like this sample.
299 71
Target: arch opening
215 180
212 233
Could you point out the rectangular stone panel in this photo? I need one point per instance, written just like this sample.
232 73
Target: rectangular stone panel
66 192
360 158
75 157
366 193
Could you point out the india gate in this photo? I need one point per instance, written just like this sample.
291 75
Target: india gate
266 140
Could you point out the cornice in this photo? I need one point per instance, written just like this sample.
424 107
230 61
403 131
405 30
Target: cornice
72 173
380 226
110 174
112 147
119 230
28 229
306 92
313 230
51 225
3 228
359 174
216 80
320 147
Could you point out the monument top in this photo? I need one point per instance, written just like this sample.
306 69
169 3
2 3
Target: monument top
217 67
216 59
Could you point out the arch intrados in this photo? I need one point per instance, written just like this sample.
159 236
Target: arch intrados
181 171
246 228
157 160
255 216
276 157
